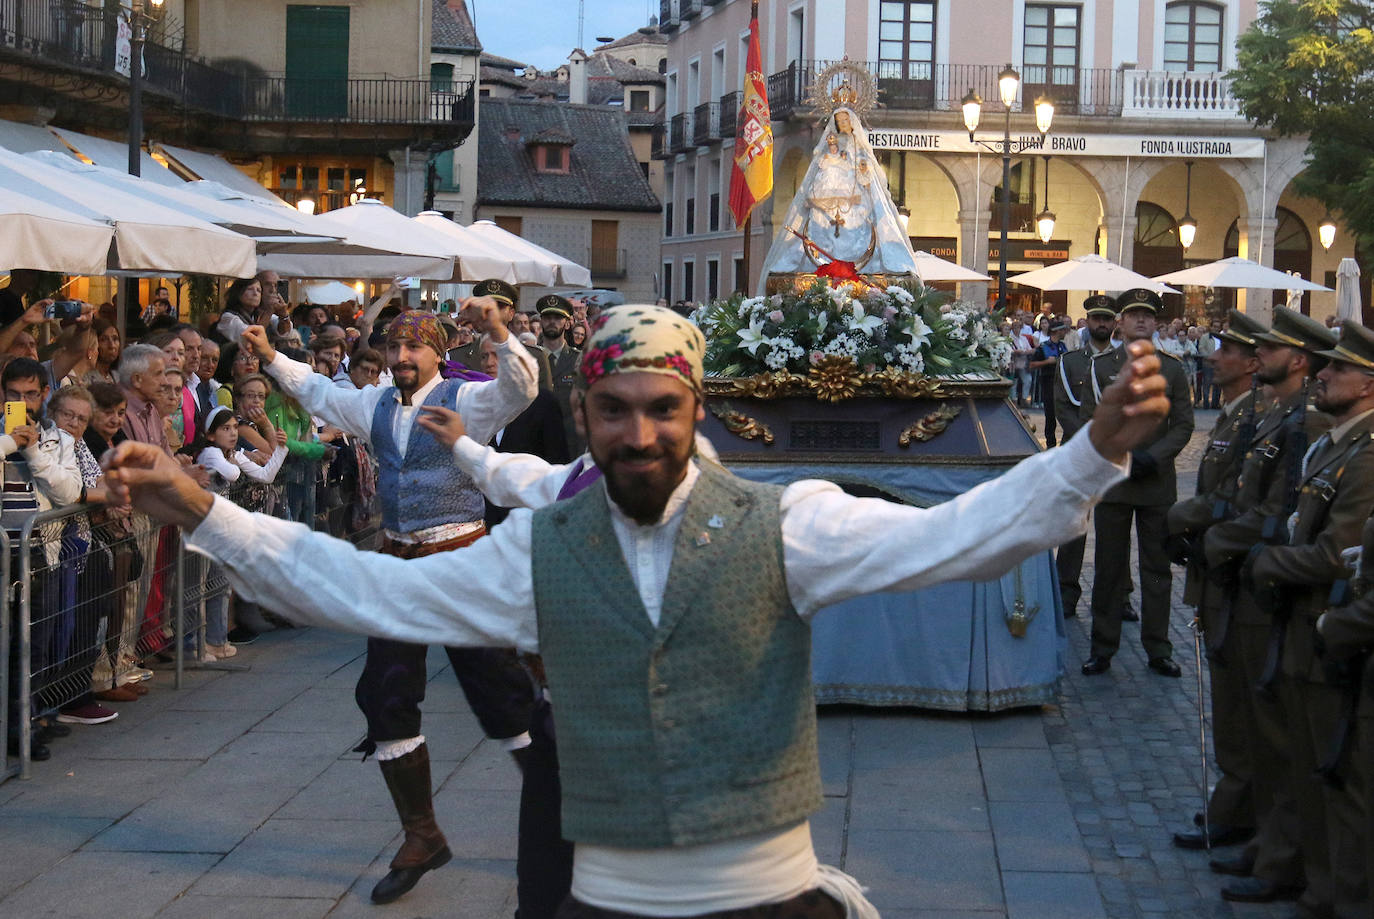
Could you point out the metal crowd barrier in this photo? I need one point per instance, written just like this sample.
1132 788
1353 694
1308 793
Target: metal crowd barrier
93 590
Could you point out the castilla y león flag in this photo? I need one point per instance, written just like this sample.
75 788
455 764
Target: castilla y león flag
751 179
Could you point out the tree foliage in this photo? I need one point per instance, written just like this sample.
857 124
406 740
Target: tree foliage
1307 67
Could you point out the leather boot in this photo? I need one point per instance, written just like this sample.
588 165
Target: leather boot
425 848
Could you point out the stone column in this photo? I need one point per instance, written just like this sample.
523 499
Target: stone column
973 252
1259 247
408 181
1120 236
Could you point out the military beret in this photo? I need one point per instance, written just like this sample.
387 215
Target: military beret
496 289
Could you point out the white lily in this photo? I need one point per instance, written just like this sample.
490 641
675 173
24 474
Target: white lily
919 332
752 337
868 324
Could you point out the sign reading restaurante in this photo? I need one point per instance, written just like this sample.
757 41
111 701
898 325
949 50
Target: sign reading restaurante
938 141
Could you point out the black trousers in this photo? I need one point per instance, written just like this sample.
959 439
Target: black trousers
1111 578
543 867
392 686
811 905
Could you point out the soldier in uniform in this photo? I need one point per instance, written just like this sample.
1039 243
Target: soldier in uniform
1146 496
1230 811
1335 500
1348 635
554 315
1271 864
1070 381
507 296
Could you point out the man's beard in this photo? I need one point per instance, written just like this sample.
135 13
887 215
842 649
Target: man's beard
550 336
1270 377
406 386
1334 407
1100 334
642 496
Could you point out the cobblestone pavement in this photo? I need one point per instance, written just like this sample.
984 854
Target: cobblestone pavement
237 796
1125 745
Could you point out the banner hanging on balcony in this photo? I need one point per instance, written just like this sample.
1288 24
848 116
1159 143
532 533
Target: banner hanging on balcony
751 178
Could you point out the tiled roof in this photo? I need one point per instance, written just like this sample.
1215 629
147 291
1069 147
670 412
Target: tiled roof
451 27
504 63
604 174
608 65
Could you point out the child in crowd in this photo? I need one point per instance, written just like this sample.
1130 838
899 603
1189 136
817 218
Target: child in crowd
222 454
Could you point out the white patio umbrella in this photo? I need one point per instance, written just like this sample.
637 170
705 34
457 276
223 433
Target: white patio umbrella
329 293
1088 272
1348 290
35 234
372 223
568 272
930 267
1237 272
480 259
147 236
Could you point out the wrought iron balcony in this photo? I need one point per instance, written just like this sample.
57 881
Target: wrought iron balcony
658 143
729 113
706 123
608 263
680 133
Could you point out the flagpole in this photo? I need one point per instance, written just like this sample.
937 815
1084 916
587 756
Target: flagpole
748 231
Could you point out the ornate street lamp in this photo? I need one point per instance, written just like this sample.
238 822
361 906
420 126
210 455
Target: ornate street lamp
1008 84
1187 227
1326 231
1044 221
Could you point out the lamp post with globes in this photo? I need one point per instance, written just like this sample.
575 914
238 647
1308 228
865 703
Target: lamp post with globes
1008 83
142 14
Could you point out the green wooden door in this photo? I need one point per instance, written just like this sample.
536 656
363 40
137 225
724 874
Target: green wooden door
317 61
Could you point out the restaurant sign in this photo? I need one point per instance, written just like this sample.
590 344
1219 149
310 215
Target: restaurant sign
1119 145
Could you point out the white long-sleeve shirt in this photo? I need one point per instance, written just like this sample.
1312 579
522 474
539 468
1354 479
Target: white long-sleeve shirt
835 546
240 463
486 406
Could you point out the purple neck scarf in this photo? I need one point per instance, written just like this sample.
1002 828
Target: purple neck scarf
578 479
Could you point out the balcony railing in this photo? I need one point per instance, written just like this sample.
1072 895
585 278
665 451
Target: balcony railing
1150 93
73 34
689 9
324 200
1075 91
706 123
668 15
607 263
729 113
658 141
680 133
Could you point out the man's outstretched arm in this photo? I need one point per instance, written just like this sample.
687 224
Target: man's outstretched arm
479 596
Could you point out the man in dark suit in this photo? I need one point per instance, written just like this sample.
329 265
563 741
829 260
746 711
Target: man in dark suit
538 430
1146 496
554 315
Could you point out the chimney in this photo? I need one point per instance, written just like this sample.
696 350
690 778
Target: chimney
577 77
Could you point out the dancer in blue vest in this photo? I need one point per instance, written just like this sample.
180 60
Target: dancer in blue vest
428 505
671 603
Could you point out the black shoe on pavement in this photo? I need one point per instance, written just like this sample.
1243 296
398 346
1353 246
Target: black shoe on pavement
399 881
1128 613
1238 867
1165 666
1255 890
38 752
1222 835
242 635
1096 665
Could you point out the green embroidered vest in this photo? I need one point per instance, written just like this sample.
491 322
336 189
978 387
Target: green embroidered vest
703 728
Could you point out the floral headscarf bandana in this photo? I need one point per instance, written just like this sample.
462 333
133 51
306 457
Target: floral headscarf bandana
422 327
650 339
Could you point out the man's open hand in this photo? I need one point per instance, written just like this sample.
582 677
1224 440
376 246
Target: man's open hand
1132 408
254 338
485 315
144 476
445 424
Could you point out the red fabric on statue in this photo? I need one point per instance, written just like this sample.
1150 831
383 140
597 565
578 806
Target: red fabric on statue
839 270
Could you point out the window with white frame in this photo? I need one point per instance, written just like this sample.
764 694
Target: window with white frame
1193 36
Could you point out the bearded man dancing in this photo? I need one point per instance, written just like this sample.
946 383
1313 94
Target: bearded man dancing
428 506
671 605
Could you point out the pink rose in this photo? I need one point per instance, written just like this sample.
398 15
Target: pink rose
890 313
775 316
816 357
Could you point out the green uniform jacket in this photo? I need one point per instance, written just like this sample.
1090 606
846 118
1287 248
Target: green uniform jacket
1335 501
1164 444
1070 382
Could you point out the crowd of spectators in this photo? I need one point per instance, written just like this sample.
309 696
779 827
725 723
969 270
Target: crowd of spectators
103 604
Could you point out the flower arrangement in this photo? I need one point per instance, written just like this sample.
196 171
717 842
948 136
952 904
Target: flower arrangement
904 327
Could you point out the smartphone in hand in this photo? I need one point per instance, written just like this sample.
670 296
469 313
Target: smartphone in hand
16 415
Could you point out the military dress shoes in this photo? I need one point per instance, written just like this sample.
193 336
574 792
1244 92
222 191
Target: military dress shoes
1220 835
1097 665
1238 867
1128 613
1256 890
1165 666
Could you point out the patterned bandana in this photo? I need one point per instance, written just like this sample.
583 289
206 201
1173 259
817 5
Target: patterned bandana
422 327
651 339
